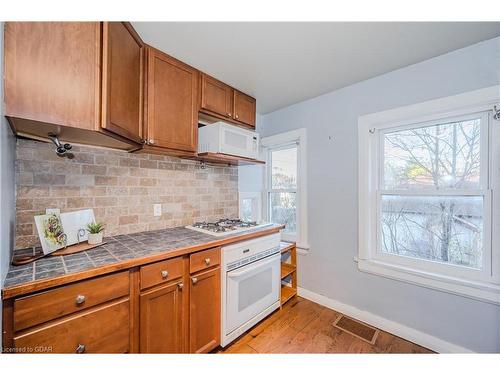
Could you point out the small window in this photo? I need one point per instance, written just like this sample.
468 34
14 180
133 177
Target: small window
286 184
282 195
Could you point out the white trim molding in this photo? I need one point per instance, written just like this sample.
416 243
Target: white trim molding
484 284
418 337
299 136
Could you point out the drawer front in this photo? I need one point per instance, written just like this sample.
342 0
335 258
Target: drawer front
42 307
103 329
204 259
160 272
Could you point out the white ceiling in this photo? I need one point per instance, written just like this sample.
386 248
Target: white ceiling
284 63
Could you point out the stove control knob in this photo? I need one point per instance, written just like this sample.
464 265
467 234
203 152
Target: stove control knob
207 261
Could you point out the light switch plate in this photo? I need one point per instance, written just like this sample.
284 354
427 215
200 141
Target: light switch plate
157 209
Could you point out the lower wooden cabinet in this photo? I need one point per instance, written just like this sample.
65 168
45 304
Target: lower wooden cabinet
204 311
170 306
104 329
161 319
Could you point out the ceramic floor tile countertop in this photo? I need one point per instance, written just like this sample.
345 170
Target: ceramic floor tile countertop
118 250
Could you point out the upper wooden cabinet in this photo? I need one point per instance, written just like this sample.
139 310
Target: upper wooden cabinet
172 105
122 80
224 102
55 75
216 97
244 108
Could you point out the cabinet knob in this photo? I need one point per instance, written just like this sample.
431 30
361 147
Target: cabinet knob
80 349
194 280
151 141
80 299
207 261
236 116
180 286
164 274
228 115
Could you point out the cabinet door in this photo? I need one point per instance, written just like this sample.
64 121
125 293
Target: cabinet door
205 311
171 103
123 78
216 97
161 311
244 108
52 72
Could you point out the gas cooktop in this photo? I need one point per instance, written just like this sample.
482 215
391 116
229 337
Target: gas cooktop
226 226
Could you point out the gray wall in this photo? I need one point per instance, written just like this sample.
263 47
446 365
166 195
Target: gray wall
329 268
7 154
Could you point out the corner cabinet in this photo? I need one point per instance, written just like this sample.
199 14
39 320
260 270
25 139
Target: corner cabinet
225 103
55 76
171 105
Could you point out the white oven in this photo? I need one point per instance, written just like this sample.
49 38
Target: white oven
228 139
250 284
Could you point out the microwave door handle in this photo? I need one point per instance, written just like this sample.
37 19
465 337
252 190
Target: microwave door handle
234 274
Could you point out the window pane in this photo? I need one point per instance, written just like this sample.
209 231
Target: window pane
284 210
445 155
284 168
443 229
247 209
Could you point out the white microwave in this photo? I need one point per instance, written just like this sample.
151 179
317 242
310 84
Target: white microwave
228 139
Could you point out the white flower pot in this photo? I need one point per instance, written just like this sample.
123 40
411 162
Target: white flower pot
95 238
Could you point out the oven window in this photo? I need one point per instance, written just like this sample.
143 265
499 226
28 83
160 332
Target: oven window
255 288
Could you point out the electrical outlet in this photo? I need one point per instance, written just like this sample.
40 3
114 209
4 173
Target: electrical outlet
157 209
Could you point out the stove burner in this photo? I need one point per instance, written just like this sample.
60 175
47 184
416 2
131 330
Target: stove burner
224 225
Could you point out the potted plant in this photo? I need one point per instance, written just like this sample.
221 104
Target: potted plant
95 230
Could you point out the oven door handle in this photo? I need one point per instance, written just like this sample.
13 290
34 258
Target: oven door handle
234 274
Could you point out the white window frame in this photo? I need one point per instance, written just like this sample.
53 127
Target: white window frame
282 141
483 285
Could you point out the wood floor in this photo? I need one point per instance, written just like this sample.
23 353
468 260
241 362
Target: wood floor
303 326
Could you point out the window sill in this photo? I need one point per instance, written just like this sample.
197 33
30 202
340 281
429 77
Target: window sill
481 291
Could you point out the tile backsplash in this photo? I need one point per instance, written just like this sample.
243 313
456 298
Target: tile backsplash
121 188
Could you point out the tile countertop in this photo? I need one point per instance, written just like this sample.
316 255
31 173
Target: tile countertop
120 252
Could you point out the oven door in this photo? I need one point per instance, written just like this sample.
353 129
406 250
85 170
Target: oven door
250 290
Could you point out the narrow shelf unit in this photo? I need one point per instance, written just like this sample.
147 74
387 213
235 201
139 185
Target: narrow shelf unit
288 270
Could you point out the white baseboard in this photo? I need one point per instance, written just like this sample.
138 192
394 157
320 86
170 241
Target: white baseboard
410 334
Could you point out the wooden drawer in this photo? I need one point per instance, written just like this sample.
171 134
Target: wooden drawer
157 273
204 259
42 307
104 329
